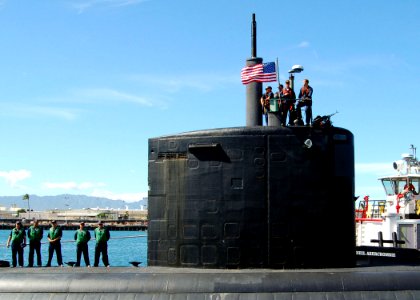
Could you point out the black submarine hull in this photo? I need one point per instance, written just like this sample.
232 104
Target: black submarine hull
262 194
186 283
252 197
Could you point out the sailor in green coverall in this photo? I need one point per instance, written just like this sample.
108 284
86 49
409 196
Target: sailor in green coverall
35 234
17 238
82 237
102 236
54 237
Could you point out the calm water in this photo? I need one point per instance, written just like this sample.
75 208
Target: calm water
123 247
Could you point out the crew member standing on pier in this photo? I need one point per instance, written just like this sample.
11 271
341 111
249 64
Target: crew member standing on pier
82 237
35 234
54 237
17 238
102 236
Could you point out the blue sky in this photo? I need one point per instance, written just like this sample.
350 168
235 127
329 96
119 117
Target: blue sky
84 84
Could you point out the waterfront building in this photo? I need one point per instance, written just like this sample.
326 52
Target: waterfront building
72 217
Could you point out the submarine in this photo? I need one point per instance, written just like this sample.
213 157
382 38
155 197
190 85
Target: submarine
240 213
254 196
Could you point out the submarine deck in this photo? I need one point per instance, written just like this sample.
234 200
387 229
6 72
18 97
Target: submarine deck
390 282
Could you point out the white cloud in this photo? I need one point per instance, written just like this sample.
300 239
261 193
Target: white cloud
373 191
84 5
13 177
96 188
366 180
175 83
119 3
378 169
37 110
303 44
360 63
61 113
129 197
94 94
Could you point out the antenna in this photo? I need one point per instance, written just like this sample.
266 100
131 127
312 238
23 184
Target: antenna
413 150
253 89
254 37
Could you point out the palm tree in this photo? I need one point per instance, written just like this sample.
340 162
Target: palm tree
26 198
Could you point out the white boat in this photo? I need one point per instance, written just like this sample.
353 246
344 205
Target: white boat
390 229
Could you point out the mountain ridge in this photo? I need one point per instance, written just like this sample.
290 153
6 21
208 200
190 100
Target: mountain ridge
67 201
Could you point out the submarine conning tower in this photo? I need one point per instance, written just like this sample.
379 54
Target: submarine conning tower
253 196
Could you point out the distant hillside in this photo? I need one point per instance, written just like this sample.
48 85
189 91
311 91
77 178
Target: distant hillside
68 201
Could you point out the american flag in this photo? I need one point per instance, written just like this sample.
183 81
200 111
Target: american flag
259 72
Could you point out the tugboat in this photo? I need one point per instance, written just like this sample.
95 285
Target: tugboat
388 231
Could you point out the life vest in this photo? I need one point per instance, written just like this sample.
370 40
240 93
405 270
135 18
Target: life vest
410 188
35 233
289 94
82 236
101 235
306 92
54 232
266 99
17 235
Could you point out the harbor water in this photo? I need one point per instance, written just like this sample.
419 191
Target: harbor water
123 247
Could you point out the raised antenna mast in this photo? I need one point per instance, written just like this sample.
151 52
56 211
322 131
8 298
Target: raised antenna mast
413 150
253 89
254 37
